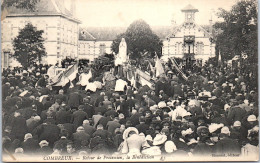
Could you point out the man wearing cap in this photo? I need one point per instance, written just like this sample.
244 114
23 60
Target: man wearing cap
33 122
44 148
238 132
88 128
202 148
29 145
104 134
61 96
80 136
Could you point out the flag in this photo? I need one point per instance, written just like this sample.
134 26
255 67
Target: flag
67 76
158 67
51 72
178 69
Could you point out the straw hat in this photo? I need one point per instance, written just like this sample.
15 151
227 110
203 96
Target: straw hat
170 146
159 139
128 130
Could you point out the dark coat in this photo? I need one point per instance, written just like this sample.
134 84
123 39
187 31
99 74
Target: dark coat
74 100
112 125
89 129
45 150
236 114
63 98
30 146
78 117
159 86
227 145
142 128
202 149
135 119
89 109
101 109
124 108
63 142
104 134
70 128
111 112
62 117
42 82
49 132
19 127
78 137
103 121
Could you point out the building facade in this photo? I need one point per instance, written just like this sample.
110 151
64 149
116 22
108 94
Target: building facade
90 47
59 24
96 41
189 40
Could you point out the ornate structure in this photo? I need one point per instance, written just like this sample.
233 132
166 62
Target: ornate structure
189 40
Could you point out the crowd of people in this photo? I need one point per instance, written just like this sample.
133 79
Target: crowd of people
214 112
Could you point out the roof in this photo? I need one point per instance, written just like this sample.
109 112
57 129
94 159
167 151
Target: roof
43 8
205 28
189 7
110 33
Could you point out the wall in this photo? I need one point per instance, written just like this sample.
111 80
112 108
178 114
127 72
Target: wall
60 34
93 49
203 48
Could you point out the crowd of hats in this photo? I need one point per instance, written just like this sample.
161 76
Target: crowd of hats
203 115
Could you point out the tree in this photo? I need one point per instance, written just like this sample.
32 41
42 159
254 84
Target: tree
28 45
239 31
22 4
141 41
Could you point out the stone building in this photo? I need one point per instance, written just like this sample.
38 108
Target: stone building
96 41
189 40
58 22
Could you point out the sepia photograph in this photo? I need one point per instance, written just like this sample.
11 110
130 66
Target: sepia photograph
129 80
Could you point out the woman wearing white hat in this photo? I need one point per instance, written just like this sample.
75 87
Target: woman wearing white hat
158 143
133 141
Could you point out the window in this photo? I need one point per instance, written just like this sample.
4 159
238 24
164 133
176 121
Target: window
102 49
179 48
200 48
6 59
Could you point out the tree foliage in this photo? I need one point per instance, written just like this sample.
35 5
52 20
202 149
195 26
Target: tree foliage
239 31
141 41
28 45
22 4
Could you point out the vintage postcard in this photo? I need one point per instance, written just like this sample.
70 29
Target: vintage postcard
129 81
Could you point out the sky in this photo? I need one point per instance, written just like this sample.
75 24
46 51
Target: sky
121 13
